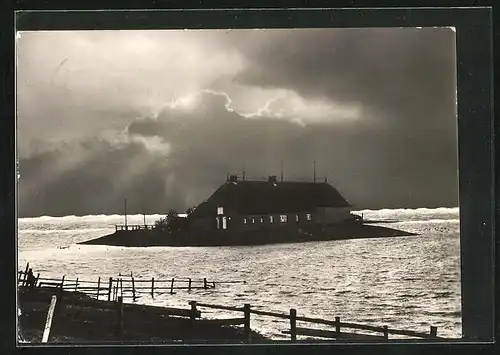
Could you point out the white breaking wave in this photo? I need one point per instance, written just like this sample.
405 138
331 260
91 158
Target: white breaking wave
422 210
385 211
417 214
86 217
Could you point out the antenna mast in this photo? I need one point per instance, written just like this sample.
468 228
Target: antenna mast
144 215
125 212
314 170
281 170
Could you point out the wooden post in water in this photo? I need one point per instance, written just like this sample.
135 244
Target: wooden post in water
62 281
337 326
133 290
205 282
246 329
76 284
126 228
120 316
189 285
213 284
433 331
172 286
98 286
48 322
386 332
37 278
152 287
110 285
293 324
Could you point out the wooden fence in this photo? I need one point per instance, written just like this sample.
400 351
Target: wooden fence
112 288
338 331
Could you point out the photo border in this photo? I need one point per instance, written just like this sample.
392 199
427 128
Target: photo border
475 130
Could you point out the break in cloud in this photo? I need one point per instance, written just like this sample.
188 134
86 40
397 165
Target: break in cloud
162 116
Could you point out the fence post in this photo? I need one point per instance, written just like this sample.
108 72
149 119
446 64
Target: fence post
152 287
293 324
48 322
98 286
433 331
120 316
337 326
192 316
37 278
386 332
205 282
25 274
133 290
172 286
121 287
109 289
29 277
247 333
189 286
76 284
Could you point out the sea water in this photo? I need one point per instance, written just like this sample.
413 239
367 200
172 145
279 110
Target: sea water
404 282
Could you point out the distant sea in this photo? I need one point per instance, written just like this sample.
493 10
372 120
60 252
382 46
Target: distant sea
404 282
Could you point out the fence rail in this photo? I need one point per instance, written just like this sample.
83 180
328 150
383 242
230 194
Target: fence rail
113 287
321 333
112 290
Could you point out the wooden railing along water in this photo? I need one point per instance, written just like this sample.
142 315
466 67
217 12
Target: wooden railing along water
123 286
115 292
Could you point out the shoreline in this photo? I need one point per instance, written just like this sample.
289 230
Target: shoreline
80 318
248 238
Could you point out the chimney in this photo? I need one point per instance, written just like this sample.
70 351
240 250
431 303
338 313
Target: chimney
273 179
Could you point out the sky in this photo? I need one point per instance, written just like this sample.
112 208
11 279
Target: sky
162 117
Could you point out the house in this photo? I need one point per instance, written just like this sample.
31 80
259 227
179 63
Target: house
239 205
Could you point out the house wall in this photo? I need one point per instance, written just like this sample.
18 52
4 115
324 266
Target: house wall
236 222
331 215
291 220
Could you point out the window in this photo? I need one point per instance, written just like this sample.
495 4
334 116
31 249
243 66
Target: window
245 220
253 220
296 218
283 218
271 219
308 216
220 210
261 220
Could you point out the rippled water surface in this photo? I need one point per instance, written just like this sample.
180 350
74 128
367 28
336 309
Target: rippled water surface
406 282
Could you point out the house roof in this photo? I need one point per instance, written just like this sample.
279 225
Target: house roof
265 197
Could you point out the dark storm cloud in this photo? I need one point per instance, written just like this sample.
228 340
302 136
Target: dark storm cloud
374 107
406 77
202 151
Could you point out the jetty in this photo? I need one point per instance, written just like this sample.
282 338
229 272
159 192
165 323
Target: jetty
52 312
